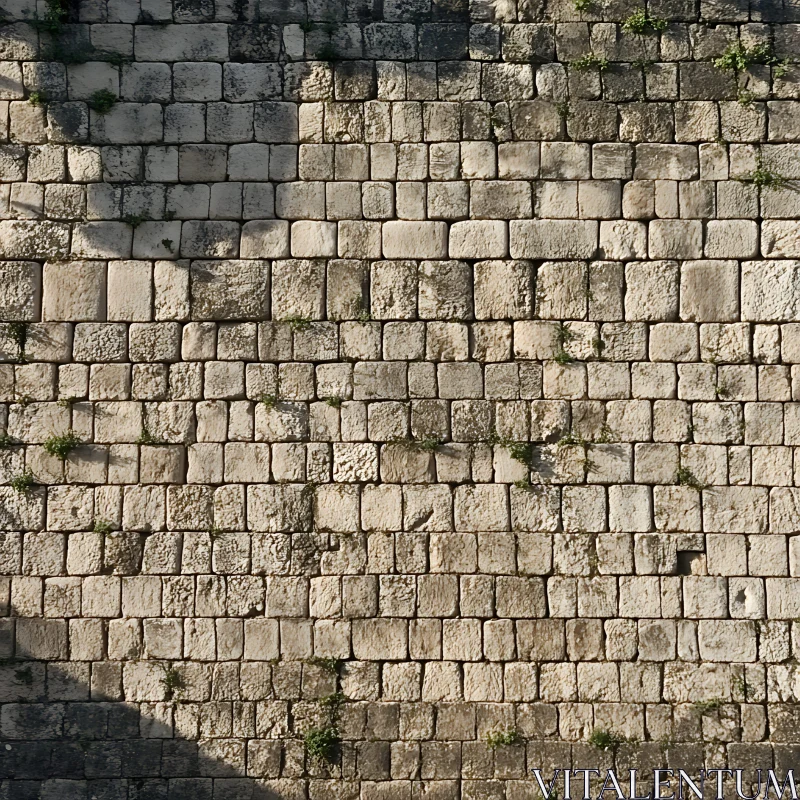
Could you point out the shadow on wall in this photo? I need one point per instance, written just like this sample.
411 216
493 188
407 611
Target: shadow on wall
65 736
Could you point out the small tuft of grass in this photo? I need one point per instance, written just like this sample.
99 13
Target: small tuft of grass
334 401
23 482
582 5
521 451
523 484
706 706
134 220
306 26
428 445
737 57
62 446
7 441
102 526
327 52
37 98
18 333
24 675
297 323
604 739
172 681
571 438
563 109
685 477
589 61
563 357
331 665
640 23
54 17
764 177
497 739
269 400
145 437
102 101
322 744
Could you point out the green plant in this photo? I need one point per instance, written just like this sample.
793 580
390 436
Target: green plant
604 739
102 101
54 16
134 220
744 97
639 23
334 401
523 484
145 437
764 176
18 333
23 482
37 98
736 57
706 706
739 686
589 61
582 5
428 444
327 52
563 357
297 323
780 69
564 335
563 110
364 314
269 400
6 441
605 435
322 744
571 438
61 446
172 681
306 26
497 739
328 664
521 451
102 526
685 477
24 675
332 703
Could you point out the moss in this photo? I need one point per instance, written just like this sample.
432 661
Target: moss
102 101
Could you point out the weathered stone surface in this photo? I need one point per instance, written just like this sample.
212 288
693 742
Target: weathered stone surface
224 290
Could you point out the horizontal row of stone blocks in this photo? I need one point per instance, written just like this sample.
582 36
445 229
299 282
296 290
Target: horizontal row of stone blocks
439 507
439 642
694 119
297 294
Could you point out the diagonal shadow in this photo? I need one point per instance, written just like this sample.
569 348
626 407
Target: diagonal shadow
66 732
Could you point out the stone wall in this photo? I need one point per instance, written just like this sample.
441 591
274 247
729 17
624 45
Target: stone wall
398 396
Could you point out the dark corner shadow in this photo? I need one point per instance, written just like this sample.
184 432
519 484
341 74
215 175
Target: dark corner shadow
64 737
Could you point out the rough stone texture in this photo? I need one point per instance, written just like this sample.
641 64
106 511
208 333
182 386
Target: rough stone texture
412 382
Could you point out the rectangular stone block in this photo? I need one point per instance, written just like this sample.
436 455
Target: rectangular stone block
553 238
414 239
